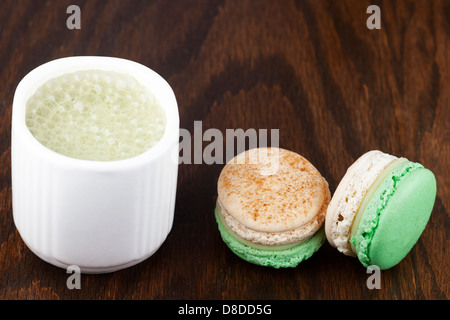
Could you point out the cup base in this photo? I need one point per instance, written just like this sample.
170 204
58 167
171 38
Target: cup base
92 270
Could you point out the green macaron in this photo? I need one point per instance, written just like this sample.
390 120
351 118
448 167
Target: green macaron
380 209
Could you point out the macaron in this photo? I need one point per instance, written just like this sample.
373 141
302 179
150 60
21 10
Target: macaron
271 207
380 209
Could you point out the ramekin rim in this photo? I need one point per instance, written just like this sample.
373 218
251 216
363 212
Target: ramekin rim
60 66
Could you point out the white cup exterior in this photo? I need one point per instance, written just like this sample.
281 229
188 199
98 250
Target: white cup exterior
101 216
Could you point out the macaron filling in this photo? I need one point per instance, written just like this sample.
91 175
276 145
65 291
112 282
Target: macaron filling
272 239
255 245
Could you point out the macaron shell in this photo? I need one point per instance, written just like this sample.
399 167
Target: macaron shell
396 216
288 198
349 195
287 258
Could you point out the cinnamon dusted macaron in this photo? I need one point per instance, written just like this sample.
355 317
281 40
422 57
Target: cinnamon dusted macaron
271 207
380 208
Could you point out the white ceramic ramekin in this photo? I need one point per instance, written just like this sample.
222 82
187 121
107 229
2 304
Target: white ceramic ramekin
101 216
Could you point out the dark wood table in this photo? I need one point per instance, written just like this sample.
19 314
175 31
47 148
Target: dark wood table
312 69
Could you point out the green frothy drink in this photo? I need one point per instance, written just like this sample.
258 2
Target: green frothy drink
95 115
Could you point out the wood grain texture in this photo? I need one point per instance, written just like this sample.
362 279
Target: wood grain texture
309 68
